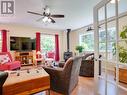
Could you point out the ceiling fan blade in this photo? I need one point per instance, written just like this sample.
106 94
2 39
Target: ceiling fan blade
57 16
52 20
34 13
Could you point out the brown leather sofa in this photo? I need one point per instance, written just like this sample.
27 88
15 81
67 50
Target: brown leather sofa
87 65
3 77
64 80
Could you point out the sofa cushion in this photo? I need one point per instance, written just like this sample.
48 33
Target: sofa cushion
10 65
4 59
8 53
50 55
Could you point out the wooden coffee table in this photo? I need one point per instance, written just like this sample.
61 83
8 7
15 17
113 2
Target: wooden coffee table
27 83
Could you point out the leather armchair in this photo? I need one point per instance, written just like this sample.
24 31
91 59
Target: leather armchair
3 77
64 80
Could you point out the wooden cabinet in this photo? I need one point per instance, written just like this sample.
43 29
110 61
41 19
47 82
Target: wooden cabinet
122 74
26 58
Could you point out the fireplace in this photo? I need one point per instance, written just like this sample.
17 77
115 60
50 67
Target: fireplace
68 53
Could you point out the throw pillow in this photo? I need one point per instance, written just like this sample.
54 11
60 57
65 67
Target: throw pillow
50 54
4 59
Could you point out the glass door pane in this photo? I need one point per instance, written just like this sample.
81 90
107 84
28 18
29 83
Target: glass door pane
122 6
108 15
110 10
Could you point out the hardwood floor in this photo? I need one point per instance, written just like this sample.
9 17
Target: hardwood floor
86 87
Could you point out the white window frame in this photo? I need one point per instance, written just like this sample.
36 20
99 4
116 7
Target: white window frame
104 3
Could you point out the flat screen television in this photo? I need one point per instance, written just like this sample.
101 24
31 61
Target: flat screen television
22 44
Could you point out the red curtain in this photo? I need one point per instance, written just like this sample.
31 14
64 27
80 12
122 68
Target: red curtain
57 48
4 40
37 41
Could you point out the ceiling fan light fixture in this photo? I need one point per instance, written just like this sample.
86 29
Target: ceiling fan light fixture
45 19
46 16
49 20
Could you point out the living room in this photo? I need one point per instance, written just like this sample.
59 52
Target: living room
42 41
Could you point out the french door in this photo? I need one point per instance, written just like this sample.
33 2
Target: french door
110 19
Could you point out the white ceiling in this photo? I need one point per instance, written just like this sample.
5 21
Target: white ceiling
78 13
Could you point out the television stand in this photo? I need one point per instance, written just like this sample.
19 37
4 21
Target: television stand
26 57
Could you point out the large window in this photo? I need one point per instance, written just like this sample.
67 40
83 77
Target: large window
47 43
0 41
87 40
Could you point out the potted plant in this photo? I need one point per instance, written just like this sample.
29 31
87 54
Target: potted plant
79 48
122 50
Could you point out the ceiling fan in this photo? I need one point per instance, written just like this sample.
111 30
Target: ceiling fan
46 16
90 28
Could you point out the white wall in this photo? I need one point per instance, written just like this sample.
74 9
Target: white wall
27 31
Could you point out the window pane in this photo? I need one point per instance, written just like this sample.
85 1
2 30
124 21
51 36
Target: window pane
87 41
111 34
101 14
110 46
122 6
102 36
110 10
111 37
123 27
47 43
102 46
111 31
111 51
122 48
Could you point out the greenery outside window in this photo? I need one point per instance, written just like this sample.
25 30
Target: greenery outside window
87 40
47 43
122 46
